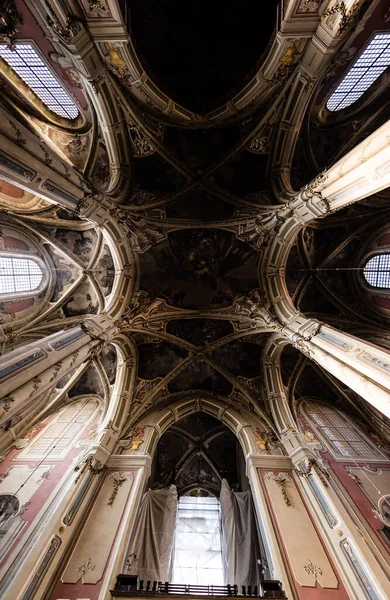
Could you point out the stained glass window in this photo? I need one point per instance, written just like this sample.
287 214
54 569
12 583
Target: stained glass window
197 558
343 438
366 69
27 63
377 271
19 274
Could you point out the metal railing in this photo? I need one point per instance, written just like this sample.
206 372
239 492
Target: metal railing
128 586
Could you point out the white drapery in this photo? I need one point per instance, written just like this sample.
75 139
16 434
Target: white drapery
151 549
240 544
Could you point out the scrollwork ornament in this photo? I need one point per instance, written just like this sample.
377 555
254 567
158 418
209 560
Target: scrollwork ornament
312 569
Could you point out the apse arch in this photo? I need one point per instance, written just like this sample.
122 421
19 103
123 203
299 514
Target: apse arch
144 434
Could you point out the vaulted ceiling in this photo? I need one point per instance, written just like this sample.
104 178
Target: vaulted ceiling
222 122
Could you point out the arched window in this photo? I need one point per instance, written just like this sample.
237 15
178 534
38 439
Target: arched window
19 274
30 67
59 437
365 70
339 434
377 270
197 553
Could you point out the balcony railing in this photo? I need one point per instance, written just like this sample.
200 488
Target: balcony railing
128 586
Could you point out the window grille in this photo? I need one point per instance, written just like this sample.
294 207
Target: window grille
19 274
343 438
30 67
197 549
366 69
377 271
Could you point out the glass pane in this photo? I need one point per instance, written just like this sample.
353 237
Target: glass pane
19 274
27 63
344 438
370 65
377 271
60 436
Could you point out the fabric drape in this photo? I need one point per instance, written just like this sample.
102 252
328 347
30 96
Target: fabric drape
240 543
150 552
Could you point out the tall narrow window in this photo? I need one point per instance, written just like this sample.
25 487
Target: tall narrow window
30 67
59 437
377 271
19 274
366 69
197 558
339 433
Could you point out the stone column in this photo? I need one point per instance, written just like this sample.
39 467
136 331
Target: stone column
27 372
361 365
364 171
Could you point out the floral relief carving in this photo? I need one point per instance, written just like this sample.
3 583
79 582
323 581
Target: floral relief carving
118 480
281 480
92 464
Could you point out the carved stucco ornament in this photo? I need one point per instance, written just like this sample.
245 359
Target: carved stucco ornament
134 440
96 8
92 464
288 61
85 567
311 464
282 479
260 440
312 569
255 307
9 24
118 480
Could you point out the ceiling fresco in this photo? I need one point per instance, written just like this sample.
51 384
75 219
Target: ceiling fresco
199 269
203 131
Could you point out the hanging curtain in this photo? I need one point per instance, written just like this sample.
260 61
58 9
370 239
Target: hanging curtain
240 543
150 552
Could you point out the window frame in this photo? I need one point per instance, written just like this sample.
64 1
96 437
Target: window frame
352 106
11 296
30 96
327 443
367 284
25 455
